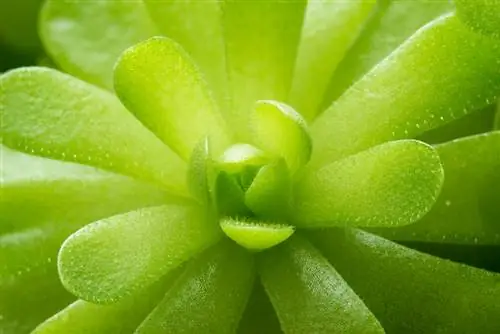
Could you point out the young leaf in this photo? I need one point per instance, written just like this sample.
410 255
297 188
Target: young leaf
390 25
261 45
481 15
255 236
229 196
269 195
389 185
441 73
173 100
309 295
124 316
85 39
279 130
201 172
35 191
51 114
119 256
410 292
468 209
197 26
330 28
209 297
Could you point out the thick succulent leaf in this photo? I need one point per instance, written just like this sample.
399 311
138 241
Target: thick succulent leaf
410 292
86 38
229 196
197 26
35 191
389 185
116 257
269 195
51 114
330 28
441 73
201 174
82 317
255 235
209 297
173 100
390 25
240 156
468 208
481 15
279 130
261 41
30 290
309 295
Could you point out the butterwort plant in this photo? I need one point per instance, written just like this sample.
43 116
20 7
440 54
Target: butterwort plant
184 175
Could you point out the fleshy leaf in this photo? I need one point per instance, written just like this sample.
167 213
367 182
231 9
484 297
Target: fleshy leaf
201 173
468 209
30 290
197 26
124 316
239 156
269 195
390 25
309 295
116 257
35 191
410 292
159 83
209 297
330 28
481 15
229 196
83 124
256 236
443 72
261 45
85 39
389 185
279 130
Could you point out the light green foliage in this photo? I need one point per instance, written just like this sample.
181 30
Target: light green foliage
80 125
172 95
330 28
468 209
411 292
256 236
389 185
117 257
261 44
393 101
279 130
309 295
86 37
482 16
213 290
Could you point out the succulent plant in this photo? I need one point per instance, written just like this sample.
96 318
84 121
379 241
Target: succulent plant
185 176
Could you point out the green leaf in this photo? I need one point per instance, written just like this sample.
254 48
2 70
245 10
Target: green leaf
255 236
481 15
468 209
209 297
229 196
201 172
197 26
410 292
55 191
261 45
269 195
173 100
30 290
441 73
83 124
329 30
389 26
389 185
124 316
85 39
18 25
309 295
279 130
119 256
239 156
